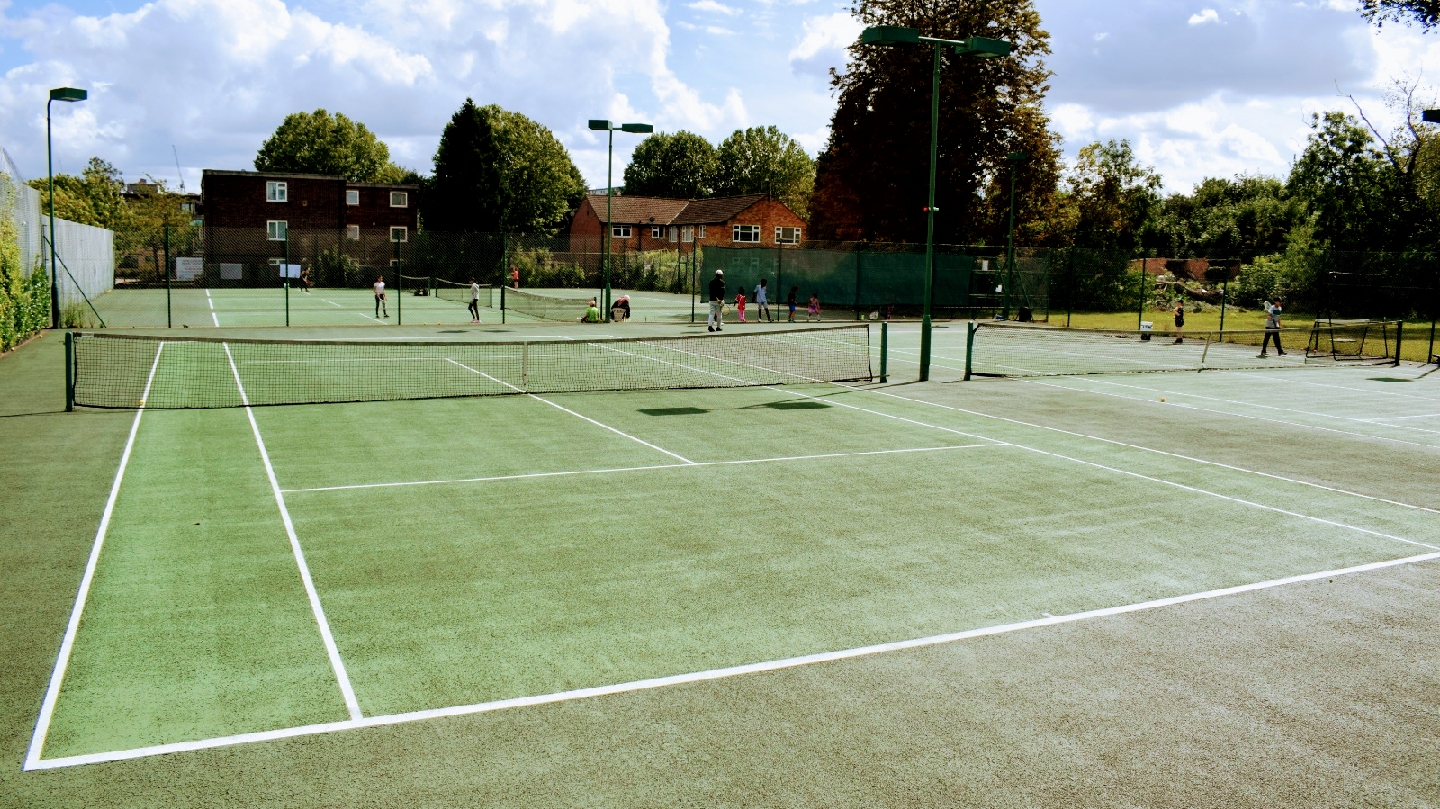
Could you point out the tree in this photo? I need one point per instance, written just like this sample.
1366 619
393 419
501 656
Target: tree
1348 184
1425 13
319 143
498 171
94 198
1240 218
1112 196
678 166
872 180
764 160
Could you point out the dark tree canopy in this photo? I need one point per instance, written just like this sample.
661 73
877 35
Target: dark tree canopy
872 180
1425 13
319 143
498 171
679 166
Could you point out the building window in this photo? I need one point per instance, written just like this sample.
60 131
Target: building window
187 207
619 231
396 234
276 192
674 234
352 196
787 235
656 231
399 199
352 232
687 233
745 233
276 231
702 231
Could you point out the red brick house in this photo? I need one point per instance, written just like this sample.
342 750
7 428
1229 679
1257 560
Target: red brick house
248 215
653 223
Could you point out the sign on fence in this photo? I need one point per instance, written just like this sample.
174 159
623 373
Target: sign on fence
188 268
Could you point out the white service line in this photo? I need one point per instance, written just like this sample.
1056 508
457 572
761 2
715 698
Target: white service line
1368 391
67 644
211 301
343 678
573 413
692 465
713 674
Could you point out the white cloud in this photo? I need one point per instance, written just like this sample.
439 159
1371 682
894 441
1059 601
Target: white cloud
1208 15
714 7
823 42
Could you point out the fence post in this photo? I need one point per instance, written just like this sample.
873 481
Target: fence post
502 304
1434 310
858 254
285 275
1140 316
1399 332
884 349
969 347
69 370
1224 295
168 323
399 287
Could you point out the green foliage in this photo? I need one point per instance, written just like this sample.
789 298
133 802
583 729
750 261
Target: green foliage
678 166
319 143
1227 218
498 171
333 268
24 292
94 198
1347 183
1112 196
396 174
764 160
1424 13
872 180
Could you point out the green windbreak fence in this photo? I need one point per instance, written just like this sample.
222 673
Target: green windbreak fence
891 282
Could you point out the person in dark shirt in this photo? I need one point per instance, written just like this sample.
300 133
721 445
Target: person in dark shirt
716 321
620 308
790 302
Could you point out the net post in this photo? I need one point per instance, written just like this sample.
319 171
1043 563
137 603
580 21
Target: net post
884 350
1399 332
69 371
399 287
502 304
168 323
1140 314
285 277
857 288
1205 352
525 365
970 329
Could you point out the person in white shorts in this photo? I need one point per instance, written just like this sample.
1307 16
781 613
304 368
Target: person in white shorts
474 301
380 296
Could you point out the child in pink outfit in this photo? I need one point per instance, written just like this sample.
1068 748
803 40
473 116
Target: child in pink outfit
740 305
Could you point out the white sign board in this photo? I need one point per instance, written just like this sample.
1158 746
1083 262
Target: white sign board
188 268
289 270
232 272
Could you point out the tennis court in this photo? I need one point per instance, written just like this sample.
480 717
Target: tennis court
266 573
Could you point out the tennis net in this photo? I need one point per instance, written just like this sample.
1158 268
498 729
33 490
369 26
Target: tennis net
1012 350
545 307
452 291
129 371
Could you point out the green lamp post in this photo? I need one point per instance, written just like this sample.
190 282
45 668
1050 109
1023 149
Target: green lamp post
69 95
1015 158
974 47
610 129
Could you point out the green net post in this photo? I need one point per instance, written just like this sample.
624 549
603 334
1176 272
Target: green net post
1224 295
694 285
399 287
1140 313
1434 310
857 286
69 370
286 276
969 347
1399 332
168 323
884 350
502 304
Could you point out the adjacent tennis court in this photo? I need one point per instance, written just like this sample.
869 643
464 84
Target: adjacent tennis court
262 573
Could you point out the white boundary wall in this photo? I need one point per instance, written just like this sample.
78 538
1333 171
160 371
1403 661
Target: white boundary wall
87 252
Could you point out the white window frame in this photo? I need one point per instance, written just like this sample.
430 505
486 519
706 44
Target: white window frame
276 191
794 236
687 233
276 230
701 234
352 196
404 233
399 199
674 234
352 232
748 230
619 231
657 231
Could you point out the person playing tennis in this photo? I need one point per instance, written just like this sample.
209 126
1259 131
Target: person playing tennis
380 296
1272 328
474 301
762 302
716 320
740 303
812 310
1179 323
790 302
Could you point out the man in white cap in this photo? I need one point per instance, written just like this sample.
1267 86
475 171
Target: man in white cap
717 302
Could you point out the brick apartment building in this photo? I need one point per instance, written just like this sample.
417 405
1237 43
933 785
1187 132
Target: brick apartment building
654 223
248 216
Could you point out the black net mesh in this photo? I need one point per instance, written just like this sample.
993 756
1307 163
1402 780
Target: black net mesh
546 307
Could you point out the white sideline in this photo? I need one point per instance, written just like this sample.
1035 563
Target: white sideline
210 301
62 660
570 473
351 703
573 413
704 676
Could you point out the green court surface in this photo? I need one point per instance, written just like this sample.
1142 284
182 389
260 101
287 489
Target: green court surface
929 594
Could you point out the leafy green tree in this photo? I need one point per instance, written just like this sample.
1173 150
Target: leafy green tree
764 160
94 198
1240 218
872 180
1425 13
396 174
319 143
678 166
497 170
1349 185
1112 196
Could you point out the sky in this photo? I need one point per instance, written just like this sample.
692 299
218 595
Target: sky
1201 88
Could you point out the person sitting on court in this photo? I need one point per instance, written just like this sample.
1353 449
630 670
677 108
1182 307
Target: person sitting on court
620 308
592 313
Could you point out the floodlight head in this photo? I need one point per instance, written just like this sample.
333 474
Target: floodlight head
890 35
68 94
983 48
639 129
599 125
1433 116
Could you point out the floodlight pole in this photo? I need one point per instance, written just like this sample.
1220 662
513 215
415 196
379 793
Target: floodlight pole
69 95
1015 158
610 128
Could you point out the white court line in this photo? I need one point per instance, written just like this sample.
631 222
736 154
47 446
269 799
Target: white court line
573 413
67 644
712 674
1402 418
693 465
1163 452
211 301
351 704
1377 391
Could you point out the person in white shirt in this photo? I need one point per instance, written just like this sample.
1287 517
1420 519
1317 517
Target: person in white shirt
1272 328
762 301
474 301
380 296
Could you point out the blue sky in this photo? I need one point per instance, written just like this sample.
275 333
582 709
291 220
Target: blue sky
1202 88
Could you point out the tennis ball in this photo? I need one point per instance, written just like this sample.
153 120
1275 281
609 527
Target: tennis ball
1162 398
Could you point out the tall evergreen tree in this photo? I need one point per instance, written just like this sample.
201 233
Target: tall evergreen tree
872 180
